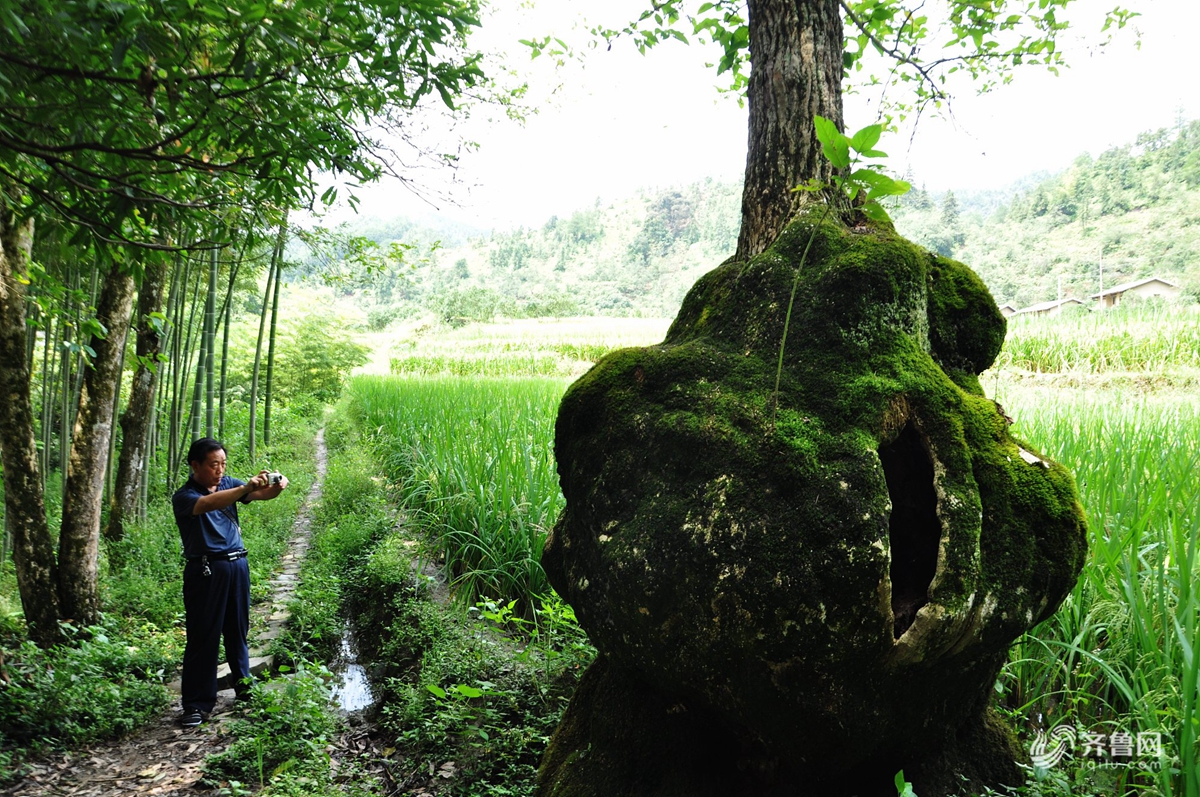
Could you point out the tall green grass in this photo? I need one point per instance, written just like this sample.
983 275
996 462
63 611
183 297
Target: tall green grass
1121 653
491 363
475 467
1146 338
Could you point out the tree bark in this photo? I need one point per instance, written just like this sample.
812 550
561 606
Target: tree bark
24 500
195 420
135 421
795 74
79 538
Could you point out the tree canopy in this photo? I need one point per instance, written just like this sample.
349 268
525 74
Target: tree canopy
984 39
119 117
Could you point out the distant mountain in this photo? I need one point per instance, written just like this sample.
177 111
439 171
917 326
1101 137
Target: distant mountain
1133 211
635 257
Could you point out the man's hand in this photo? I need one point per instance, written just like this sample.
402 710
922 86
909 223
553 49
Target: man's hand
258 481
263 490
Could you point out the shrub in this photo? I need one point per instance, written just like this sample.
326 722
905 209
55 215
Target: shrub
103 682
460 307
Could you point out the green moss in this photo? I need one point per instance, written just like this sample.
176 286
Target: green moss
966 329
731 544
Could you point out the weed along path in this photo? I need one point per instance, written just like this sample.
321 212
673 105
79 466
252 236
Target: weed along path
161 758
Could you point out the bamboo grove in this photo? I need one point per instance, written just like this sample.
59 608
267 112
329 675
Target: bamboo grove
176 387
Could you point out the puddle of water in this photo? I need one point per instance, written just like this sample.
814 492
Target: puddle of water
351 689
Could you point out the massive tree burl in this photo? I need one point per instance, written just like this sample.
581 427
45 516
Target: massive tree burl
803 593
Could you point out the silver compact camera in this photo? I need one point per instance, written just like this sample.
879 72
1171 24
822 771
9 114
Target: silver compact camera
273 478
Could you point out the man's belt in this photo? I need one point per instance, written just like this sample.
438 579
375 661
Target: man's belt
228 556
231 556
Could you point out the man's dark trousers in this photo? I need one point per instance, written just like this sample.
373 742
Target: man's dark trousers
215 605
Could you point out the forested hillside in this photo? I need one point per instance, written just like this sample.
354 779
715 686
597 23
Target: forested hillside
1132 211
1136 208
637 256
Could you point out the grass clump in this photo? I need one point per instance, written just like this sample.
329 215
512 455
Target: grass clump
471 697
1118 657
280 743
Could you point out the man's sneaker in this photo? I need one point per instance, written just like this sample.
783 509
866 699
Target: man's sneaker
190 719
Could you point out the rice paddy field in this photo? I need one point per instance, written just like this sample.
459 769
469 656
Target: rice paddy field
1147 338
1112 396
473 462
526 347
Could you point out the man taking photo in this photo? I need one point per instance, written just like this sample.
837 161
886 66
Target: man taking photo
216 578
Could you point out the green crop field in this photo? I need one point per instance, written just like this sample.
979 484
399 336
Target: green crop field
523 347
474 463
473 460
1147 338
1118 657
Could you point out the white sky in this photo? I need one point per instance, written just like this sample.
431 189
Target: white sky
614 121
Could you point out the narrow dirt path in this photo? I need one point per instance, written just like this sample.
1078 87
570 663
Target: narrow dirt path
162 758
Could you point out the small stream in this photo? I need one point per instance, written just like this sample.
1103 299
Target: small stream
351 689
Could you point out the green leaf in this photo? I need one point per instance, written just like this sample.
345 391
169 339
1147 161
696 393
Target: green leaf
838 152
469 691
826 130
834 145
875 212
436 691
866 138
903 787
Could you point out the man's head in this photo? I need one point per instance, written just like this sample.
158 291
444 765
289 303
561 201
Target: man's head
206 458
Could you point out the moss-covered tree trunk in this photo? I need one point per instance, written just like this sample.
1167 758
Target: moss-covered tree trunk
135 421
796 73
83 496
24 499
803 602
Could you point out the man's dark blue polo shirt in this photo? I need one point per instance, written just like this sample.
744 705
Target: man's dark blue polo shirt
211 532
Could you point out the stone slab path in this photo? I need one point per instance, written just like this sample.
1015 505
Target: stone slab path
162 758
